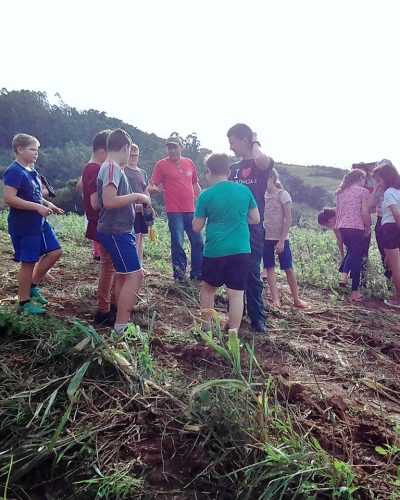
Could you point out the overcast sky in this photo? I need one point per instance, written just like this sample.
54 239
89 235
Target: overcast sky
318 80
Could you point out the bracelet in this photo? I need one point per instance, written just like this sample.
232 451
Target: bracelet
256 142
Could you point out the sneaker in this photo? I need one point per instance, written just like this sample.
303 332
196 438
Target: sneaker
30 308
392 303
36 296
105 319
259 327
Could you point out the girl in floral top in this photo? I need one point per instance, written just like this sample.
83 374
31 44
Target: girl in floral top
354 223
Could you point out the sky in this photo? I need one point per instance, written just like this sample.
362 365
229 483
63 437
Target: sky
318 80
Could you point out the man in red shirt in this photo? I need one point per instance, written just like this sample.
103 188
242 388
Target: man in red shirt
88 185
178 177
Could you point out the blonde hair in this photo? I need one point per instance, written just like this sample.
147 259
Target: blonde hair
351 178
135 147
23 141
275 176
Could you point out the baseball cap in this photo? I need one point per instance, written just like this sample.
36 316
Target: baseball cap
174 139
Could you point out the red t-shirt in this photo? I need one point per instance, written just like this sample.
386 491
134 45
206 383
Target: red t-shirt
177 179
89 182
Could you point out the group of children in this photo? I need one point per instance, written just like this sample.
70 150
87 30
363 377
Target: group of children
116 199
351 221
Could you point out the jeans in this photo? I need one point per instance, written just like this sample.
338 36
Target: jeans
178 223
357 250
254 288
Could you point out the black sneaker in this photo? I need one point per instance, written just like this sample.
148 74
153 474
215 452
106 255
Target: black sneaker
104 319
259 327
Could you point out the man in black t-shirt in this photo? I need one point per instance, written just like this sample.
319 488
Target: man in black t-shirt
252 171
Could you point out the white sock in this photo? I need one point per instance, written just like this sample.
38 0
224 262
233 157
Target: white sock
120 328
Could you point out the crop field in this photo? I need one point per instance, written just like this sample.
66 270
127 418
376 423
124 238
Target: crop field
309 411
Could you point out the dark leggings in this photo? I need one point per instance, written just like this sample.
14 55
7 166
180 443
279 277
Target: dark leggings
378 236
357 251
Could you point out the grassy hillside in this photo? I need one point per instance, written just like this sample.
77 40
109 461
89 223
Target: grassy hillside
309 411
325 177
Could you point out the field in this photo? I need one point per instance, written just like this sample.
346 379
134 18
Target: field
310 411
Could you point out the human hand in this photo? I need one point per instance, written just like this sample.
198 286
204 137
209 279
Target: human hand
279 247
367 231
44 211
58 210
142 198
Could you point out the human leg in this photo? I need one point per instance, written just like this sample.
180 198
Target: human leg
25 280
105 283
254 286
207 295
196 247
273 288
128 290
235 298
178 255
354 241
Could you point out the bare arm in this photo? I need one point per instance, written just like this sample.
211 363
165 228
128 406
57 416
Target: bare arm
198 224
366 217
12 200
339 242
396 213
253 216
79 185
94 201
153 189
111 201
196 189
287 213
260 158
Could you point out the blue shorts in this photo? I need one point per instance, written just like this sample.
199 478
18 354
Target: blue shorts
122 248
31 247
285 258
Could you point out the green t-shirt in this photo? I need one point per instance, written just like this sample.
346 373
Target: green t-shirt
225 206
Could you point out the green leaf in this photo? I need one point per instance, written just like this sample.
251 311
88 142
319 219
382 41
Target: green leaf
76 381
381 450
234 349
49 405
225 383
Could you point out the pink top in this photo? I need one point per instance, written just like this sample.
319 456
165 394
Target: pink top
349 207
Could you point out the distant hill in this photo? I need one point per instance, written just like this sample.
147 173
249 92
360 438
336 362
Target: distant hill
66 135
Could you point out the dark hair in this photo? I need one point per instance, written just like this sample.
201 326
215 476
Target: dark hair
350 178
117 139
389 174
100 140
326 215
218 164
240 131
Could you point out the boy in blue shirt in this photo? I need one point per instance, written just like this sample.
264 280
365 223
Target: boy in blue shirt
35 244
228 208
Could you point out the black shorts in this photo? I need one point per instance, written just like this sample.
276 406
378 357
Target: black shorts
231 270
390 236
140 224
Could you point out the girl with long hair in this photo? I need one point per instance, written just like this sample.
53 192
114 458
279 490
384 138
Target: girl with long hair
387 178
353 220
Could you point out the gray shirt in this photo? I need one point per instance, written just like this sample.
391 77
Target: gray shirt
117 220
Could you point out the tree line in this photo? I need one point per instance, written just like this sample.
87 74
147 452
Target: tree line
66 133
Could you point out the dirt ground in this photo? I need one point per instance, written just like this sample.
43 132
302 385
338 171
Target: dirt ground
338 363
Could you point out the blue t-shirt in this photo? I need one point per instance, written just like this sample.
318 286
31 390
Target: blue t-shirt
29 188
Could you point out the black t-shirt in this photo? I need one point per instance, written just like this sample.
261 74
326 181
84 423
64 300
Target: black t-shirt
246 172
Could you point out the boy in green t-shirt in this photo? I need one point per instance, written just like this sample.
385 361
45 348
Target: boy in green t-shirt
228 208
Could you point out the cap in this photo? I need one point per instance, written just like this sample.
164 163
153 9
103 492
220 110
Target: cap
174 139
